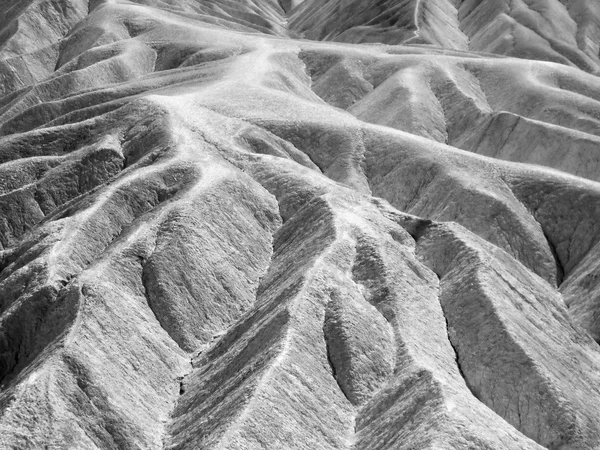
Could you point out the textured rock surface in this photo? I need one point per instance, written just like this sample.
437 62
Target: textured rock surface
299 224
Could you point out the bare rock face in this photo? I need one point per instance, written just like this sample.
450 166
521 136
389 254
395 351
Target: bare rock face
300 224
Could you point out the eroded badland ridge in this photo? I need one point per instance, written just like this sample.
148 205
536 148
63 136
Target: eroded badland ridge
342 224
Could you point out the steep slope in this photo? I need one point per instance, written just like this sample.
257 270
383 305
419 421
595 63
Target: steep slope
562 31
30 35
214 235
555 30
390 22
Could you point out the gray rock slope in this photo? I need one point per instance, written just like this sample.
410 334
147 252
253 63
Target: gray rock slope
299 225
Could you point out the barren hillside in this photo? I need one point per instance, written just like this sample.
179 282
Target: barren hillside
317 225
